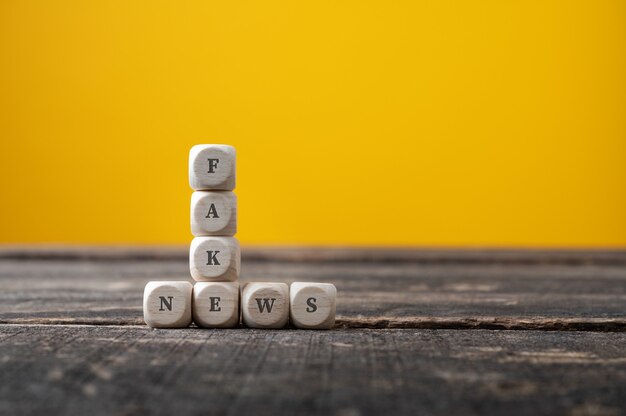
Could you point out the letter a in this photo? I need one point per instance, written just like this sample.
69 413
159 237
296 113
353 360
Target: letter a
212 211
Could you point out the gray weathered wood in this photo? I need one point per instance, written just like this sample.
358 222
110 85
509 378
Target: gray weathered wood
325 254
410 337
551 292
97 370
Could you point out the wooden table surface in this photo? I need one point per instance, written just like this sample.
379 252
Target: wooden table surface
426 332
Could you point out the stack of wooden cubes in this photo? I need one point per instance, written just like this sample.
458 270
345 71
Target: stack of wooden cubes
215 256
215 263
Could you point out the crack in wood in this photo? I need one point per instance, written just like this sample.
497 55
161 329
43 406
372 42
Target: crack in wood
492 323
346 323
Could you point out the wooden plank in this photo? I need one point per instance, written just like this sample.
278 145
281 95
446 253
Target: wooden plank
114 365
134 370
551 295
325 254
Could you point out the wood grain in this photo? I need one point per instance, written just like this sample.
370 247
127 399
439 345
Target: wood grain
432 332
326 254
135 370
552 292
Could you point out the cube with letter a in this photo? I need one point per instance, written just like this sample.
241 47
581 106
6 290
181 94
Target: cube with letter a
213 213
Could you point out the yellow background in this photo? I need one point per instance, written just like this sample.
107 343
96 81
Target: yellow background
356 122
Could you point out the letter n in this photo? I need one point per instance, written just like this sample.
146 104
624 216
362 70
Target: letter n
167 302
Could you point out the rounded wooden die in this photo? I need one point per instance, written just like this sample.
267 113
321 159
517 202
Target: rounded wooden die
216 304
212 167
214 259
312 305
213 213
167 304
265 305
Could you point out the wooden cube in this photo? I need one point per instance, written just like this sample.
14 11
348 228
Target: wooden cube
212 167
213 213
167 304
265 305
214 259
312 305
216 304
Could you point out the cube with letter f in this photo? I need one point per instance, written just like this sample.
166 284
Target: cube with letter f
212 167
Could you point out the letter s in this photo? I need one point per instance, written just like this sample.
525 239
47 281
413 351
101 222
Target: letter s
312 306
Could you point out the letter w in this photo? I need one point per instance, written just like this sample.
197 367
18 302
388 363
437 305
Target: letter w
265 304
